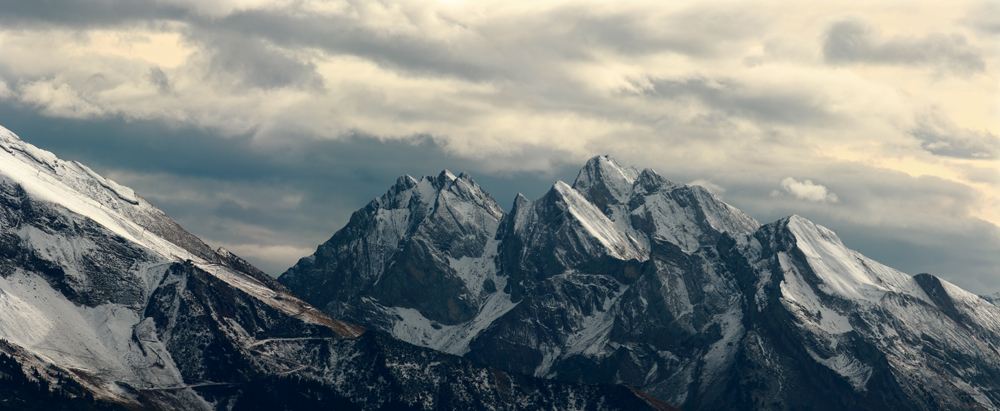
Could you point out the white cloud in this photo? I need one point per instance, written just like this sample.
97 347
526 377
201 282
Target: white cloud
806 190
710 186
59 100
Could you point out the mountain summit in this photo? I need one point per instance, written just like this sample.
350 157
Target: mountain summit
628 277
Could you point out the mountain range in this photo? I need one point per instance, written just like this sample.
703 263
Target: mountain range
623 290
107 303
626 277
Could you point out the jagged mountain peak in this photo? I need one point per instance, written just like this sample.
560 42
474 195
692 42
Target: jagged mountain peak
563 211
801 225
563 189
845 273
840 271
834 295
604 166
409 191
404 182
519 211
649 182
408 181
520 200
400 245
604 182
650 207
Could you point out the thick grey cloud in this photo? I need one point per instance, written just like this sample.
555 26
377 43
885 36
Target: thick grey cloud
942 137
858 41
342 34
82 14
732 98
523 49
160 80
985 18
252 62
699 31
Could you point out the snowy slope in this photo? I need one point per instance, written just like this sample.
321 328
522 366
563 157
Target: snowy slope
79 190
82 255
82 191
77 269
835 294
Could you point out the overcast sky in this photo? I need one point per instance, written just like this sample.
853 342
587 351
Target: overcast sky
261 125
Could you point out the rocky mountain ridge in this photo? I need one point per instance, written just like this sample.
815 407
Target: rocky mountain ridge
627 277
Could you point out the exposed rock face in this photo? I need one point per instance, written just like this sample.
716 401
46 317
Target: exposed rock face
562 232
628 277
103 295
398 251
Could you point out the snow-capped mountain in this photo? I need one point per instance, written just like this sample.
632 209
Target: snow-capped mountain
103 294
627 277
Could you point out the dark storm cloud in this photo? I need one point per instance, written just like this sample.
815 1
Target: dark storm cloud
941 137
732 98
857 41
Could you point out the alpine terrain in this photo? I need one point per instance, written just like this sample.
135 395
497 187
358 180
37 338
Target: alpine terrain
627 277
107 303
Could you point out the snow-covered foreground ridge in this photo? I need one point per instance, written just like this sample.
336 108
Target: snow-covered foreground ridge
625 276
103 252
101 288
